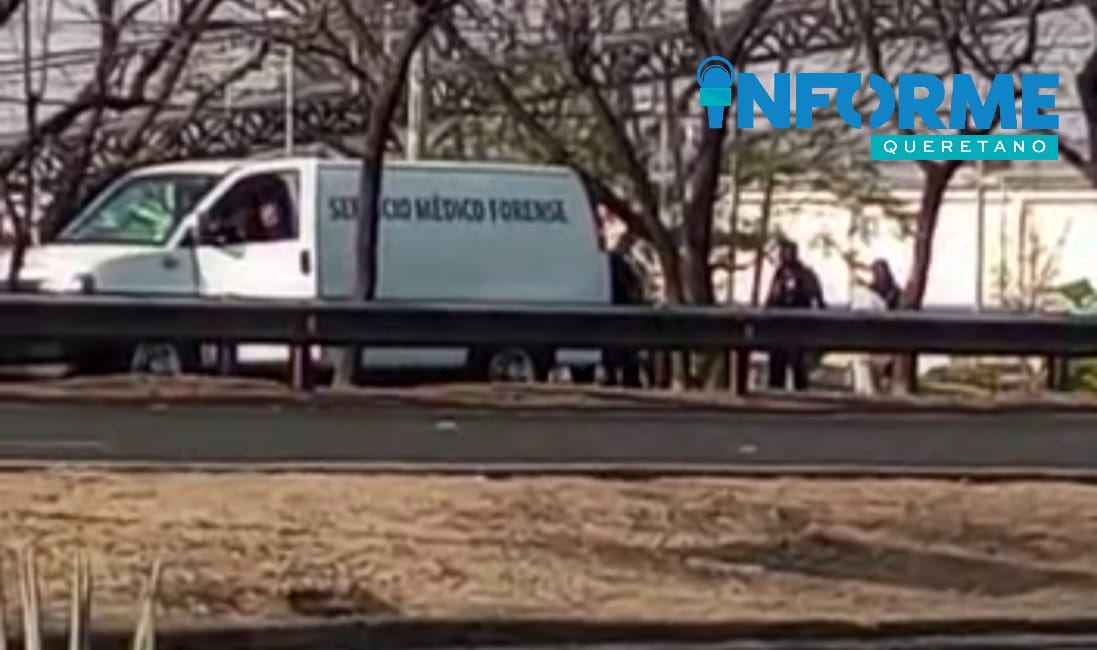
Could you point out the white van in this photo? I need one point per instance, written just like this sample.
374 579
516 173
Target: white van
451 231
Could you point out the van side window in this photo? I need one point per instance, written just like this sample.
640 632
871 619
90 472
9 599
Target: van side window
260 208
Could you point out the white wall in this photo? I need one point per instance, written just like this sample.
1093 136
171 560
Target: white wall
822 227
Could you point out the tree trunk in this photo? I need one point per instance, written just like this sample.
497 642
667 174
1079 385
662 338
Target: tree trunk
729 360
21 225
20 240
668 368
369 209
937 178
19 251
1086 84
700 216
699 221
670 265
763 238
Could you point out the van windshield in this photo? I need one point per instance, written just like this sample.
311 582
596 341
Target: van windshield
142 210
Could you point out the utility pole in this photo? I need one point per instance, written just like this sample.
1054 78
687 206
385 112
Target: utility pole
283 19
417 102
23 226
31 94
660 109
291 98
980 233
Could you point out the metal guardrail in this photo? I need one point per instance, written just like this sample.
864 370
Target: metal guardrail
399 323
82 319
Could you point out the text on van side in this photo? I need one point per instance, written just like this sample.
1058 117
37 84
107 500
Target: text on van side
444 208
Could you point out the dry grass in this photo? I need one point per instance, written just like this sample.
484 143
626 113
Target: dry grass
253 546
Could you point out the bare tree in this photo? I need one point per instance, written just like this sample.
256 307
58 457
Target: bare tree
147 131
709 163
605 101
1086 84
351 38
966 48
578 104
340 40
426 14
33 90
575 100
132 86
8 8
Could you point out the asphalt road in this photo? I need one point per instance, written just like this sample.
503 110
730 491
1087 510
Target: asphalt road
235 434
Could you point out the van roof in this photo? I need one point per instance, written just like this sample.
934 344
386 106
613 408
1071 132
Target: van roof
215 167
444 165
225 166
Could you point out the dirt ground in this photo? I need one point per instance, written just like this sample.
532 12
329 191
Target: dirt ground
240 546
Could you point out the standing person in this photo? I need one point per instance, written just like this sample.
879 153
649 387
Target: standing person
883 283
623 364
882 294
794 286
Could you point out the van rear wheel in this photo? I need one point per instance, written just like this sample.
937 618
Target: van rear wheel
164 359
510 365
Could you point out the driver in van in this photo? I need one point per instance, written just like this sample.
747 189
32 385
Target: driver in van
270 222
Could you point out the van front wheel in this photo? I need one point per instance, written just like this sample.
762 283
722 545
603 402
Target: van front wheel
136 358
510 365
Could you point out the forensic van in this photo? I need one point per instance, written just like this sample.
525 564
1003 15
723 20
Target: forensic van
285 229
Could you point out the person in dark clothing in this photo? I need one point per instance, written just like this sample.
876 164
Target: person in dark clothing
794 286
883 283
626 286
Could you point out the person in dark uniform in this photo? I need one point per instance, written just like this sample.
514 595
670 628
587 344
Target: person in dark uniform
626 286
794 286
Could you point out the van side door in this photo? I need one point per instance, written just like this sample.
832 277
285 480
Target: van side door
252 243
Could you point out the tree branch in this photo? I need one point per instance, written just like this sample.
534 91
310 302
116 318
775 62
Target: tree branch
554 149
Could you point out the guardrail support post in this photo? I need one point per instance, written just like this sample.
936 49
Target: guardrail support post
915 379
301 367
302 374
1058 370
226 358
740 372
661 368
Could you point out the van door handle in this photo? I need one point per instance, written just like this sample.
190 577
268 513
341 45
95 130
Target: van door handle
169 262
306 263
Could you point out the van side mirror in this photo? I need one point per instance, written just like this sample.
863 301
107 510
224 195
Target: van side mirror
190 238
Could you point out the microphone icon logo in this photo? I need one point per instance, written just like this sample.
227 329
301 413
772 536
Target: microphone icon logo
716 76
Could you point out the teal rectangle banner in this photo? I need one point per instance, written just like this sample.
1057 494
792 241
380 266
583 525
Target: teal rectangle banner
965 147
716 97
